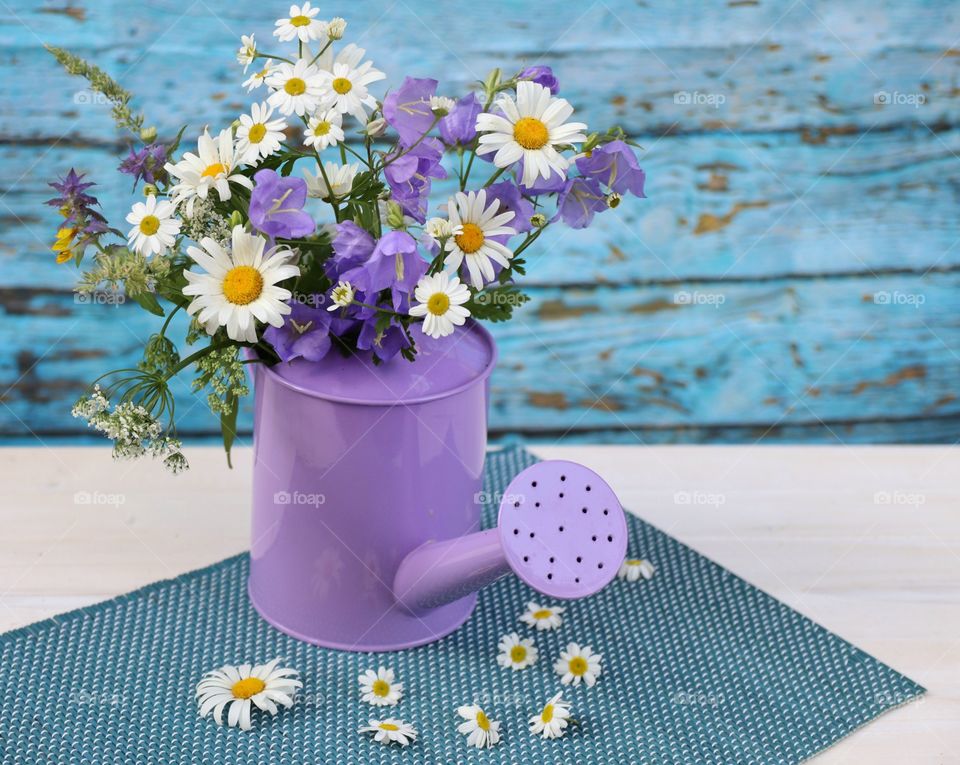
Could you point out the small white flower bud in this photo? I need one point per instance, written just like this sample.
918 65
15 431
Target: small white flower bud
336 27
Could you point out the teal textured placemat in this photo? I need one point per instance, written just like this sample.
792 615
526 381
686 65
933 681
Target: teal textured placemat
699 667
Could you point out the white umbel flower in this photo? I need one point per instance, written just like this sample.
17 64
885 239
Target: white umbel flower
633 568
324 130
516 652
380 688
390 730
210 168
242 688
542 617
238 288
576 664
440 302
341 296
474 223
259 77
301 24
553 719
346 83
530 129
154 227
340 177
258 135
480 730
247 52
297 88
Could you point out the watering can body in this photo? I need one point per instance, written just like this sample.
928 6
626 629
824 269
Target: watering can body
355 466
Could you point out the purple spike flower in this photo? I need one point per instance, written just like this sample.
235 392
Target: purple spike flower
146 164
615 165
276 206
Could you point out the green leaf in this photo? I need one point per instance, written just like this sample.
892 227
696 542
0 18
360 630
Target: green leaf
496 304
149 302
228 425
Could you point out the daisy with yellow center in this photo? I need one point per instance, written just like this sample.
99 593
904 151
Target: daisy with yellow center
346 83
297 88
578 664
258 135
553 719
475 226
210 168
301 25
480 730
390 730
380 688
247 52
341 296
324 130
239 287
542 617
154 227
259 76
440 300
633 568
531 128
516 652
263 686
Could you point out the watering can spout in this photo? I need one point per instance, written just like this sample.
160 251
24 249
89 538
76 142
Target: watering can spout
561 529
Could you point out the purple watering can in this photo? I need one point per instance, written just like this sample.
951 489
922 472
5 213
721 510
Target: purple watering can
367 499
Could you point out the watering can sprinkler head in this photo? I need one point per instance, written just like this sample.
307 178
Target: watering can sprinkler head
561 529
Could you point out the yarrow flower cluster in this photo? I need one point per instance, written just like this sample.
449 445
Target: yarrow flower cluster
310 223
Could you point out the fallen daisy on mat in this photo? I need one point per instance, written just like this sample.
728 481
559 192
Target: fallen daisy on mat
390 730
378 688
480 730
263 685
553 719
576 664
516 652
542 617
634 568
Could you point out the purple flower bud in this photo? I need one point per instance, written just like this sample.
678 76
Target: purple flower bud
542 75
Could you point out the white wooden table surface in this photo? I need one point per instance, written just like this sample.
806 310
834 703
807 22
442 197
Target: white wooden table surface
864 540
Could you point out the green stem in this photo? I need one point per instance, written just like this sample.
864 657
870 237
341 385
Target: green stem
499 171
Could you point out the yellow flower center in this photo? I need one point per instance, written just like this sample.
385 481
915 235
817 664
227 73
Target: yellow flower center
149 225
547 714
295 86
634 561
530 133
578 665
438 303
342 85
264 72
213 170
242 285
300 21
470 239
388 726
322 128
257 132
543 613
482 722
249 686
381 688
518 653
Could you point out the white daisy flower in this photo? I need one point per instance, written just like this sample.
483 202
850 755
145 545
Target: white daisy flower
340 177
258 135
247 52
438 228
345 85
259 77
633 568
210 168
516 652
473 225
389 730
553 719
154 227
440 302
264 686
576 664
301 24
379 688
530 129
341 296
336 27
441 106
297 88
238 288
480 730
324 129
542 617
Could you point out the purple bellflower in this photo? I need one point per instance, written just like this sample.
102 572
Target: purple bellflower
276 206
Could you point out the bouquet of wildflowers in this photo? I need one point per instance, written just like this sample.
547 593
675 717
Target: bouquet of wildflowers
307 226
